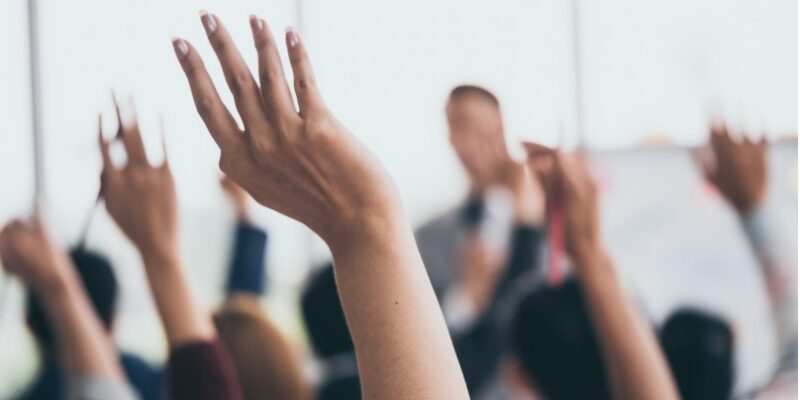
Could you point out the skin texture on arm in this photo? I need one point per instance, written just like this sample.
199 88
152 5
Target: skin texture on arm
636 367
306 165
85 350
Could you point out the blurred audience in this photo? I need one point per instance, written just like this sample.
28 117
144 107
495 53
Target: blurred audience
100 284
633 363
141 199
85 352
267 365
390 317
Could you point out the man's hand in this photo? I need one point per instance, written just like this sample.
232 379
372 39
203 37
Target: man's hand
139 197
480 270
303 164
28 253
529 201
238 196
566 179
737 169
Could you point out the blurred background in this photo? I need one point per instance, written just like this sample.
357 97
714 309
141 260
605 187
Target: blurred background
635 86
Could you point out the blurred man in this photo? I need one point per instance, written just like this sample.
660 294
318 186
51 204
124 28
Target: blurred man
467 249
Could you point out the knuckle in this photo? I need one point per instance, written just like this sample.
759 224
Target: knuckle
217 44
241 82
204 106
304 83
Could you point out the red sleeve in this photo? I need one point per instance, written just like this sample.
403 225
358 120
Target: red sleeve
202 370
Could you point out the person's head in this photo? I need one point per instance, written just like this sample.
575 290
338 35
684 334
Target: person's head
330 338
554 347
700 352
265 362
100 284
476 133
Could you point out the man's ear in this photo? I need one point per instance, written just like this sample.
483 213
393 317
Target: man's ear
517 380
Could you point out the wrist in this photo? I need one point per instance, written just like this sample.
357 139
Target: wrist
368 230
587 253
163 256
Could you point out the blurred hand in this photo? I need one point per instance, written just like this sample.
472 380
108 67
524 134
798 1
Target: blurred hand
237 195
480 268
303 164
139 197
566 180
737 169
529 201
28 253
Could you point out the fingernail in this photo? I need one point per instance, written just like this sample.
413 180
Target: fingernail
181 48
256 24
209 22
291 37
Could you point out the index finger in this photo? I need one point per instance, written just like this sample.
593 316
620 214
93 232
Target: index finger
131 138
215 115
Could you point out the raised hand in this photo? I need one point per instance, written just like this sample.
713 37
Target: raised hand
85 351
566 178
634 363
302 163
139 197
28 253
737 169
305 164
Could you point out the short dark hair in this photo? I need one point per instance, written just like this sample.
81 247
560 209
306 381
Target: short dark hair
100 284
699 348
323 315
462 91
556 345
328 332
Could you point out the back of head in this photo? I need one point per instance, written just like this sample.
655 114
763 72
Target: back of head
324 317
330 337
100 284
699 348
266 364
556 345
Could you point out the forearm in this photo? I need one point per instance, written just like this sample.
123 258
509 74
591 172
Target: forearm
183 319
401 340
85 349
636 367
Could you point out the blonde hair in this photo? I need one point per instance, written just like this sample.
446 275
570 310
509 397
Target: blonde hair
266 364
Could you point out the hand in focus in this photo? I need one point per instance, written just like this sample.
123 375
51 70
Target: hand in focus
238 196
566 180
303 164
139 197
737 169
28 253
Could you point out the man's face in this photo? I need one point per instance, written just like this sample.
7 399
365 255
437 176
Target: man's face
476 133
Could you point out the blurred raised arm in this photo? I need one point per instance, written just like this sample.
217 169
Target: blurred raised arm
85 350
306 165
141 200
636 367
738 169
